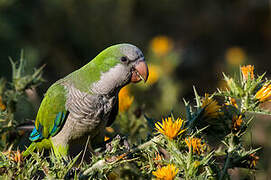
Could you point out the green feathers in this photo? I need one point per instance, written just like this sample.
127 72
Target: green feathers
65 101
51 114
92 71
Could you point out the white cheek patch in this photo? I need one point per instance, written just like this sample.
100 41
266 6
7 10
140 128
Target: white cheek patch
111 79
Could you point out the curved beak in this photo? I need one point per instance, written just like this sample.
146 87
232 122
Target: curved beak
140 72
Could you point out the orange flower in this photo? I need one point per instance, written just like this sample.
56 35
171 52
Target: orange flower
233 102
169 128
2 106
247 71
166 173
264 93
253 159
109 129
125 99
18 157
236 122
196 145
158 157
211 107
15 156
161 45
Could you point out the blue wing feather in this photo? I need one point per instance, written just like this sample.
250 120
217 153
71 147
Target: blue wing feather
60 118
51 115
36 135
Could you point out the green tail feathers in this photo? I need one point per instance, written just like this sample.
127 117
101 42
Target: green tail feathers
30 149
44 144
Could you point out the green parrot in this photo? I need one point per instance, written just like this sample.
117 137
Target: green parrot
78 107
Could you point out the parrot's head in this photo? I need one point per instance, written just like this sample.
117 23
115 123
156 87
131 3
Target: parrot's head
119 65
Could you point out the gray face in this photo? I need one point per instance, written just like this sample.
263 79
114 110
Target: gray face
131 52
120 75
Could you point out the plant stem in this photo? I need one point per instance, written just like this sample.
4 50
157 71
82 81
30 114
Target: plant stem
102 163
226 166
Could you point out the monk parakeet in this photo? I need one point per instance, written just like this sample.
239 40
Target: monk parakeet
84 102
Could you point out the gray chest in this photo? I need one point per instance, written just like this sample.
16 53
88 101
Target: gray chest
88 113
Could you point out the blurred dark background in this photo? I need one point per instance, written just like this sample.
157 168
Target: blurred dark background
206 38
66 35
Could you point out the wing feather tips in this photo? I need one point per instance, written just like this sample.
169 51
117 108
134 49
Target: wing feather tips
59 122
36 134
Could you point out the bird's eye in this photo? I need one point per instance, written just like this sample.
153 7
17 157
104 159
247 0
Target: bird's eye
123 59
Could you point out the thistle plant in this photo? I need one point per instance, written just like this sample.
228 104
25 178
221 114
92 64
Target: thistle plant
203 142
10 94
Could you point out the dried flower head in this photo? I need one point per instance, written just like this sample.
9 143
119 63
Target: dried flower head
161 45
166 173
169 128
247 71
211 107
237 122
264 93
195 144
113 176
125 99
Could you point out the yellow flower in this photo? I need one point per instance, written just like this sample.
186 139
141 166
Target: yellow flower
211 107
264 93
196 164
153 74
166 173
125 99
161 45
196 145
169 128
236 122
106 138
235 56
246 71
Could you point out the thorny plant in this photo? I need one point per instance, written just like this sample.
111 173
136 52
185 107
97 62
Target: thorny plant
202 144
11 93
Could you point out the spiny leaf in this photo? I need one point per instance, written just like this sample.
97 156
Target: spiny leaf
197 97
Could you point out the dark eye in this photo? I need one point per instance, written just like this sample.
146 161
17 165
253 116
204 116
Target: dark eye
123 59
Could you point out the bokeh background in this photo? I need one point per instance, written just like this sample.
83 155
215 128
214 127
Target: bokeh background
185 43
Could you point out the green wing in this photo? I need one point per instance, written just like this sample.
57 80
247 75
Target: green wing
52 113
